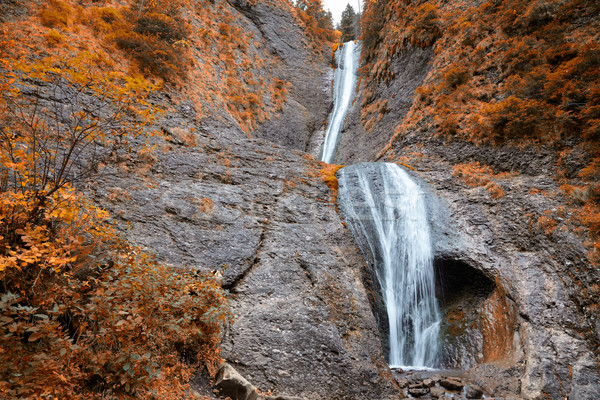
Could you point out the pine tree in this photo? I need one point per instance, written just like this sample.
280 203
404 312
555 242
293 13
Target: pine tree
348 24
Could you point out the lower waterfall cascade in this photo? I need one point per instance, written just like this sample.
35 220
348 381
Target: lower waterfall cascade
387 208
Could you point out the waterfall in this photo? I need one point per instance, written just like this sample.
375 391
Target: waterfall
344 87
385 207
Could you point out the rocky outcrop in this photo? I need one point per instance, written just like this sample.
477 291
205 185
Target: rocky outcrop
12 9
308 97
532 312
230 383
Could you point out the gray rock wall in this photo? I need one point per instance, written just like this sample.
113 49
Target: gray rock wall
309 95
360 145
303 326
259 211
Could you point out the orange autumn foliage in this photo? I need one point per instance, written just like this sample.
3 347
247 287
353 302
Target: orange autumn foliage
82 314
534 78
55 13
327 172
317 24
475 174
217 64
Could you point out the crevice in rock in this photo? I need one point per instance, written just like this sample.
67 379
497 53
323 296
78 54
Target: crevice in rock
231 286
307 270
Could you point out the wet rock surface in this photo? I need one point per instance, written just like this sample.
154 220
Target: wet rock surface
444 384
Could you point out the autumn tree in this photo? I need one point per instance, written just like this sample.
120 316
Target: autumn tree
371 23
318 22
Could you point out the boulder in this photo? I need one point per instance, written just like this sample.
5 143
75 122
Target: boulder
451 383
436 392
231 384
473 392
418 392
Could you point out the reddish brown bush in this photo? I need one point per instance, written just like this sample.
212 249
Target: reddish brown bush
474 174
82 314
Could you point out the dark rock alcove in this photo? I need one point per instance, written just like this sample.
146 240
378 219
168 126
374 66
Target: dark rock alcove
462 291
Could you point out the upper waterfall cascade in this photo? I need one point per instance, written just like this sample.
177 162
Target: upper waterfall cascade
382 204
344 88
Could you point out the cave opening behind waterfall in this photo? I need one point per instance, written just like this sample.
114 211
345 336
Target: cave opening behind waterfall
462 291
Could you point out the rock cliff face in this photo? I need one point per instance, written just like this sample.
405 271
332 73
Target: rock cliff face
308 98
260 211
356 143
514 293
303 325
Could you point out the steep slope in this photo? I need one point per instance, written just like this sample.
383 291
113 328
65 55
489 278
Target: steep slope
302 326
494 104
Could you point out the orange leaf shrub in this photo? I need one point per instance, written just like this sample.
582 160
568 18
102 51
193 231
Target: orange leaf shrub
157 40
54 38
279 96
105 19
474 174
516 119
547 224
128 328
317 23
56 14
327 172
83 315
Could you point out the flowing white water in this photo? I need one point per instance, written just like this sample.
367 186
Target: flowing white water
384 205
344 88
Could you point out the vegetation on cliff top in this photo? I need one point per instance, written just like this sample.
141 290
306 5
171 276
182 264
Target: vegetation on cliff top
205 49
318 24
349 24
